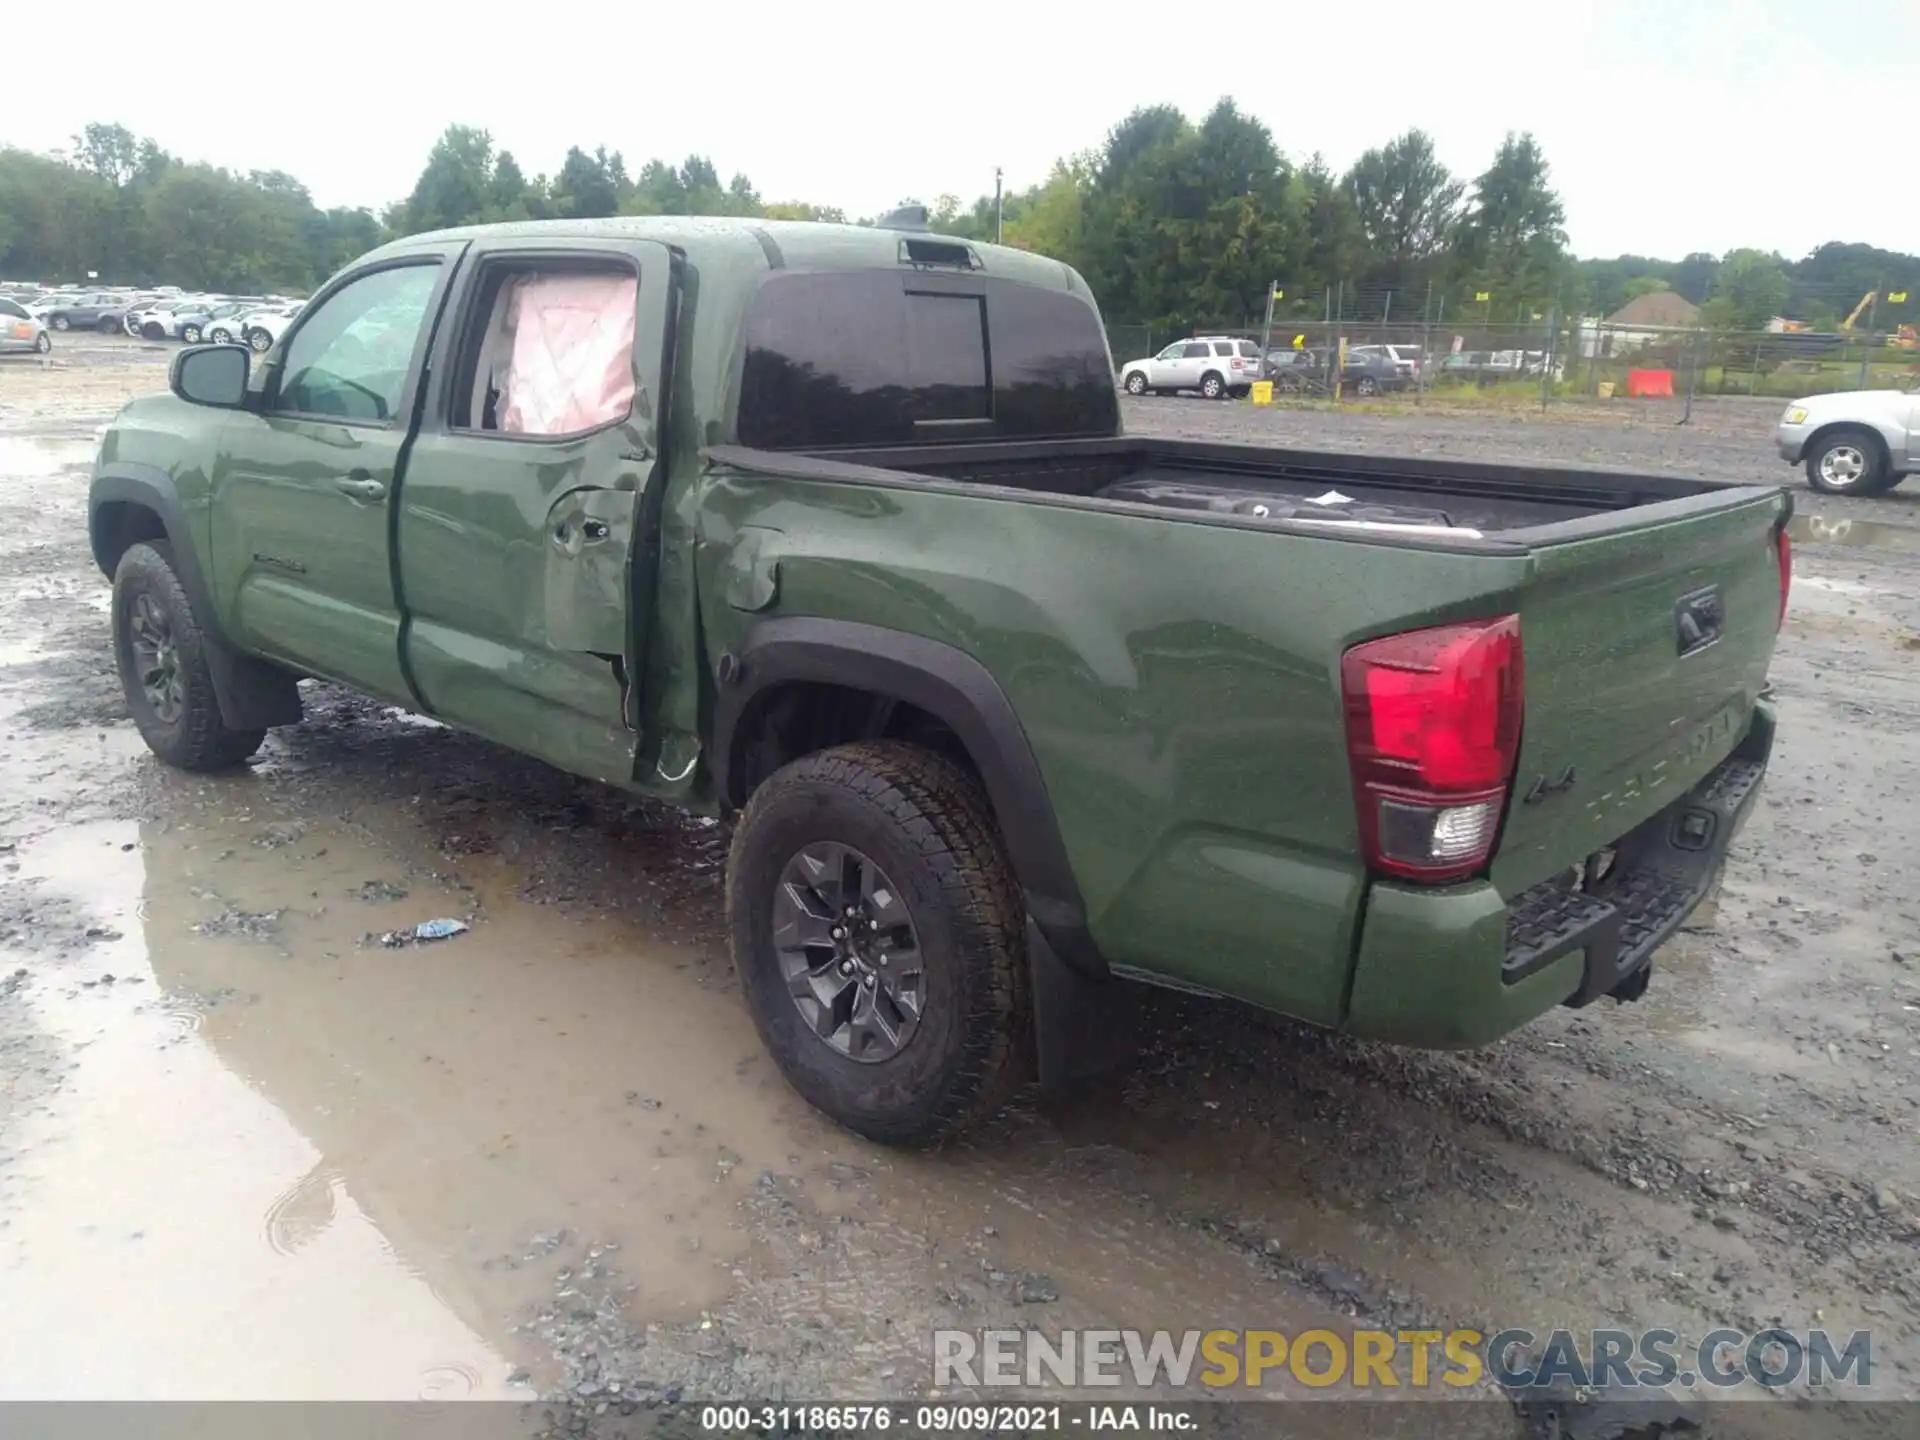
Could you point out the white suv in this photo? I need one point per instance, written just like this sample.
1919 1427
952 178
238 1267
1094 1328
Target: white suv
1215 365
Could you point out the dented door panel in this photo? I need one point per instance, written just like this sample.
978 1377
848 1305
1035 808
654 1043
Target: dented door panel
516 551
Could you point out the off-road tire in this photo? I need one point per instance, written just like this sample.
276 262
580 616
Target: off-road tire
1878 475
199 739
924 821
1212 386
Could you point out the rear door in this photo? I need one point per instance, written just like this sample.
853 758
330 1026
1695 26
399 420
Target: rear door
1644 651
523 569
305 483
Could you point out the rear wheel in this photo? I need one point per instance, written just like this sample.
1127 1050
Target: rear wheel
43 342
1849 462
220 335
60 322
162 659
108 325
190 334
153 330
1212 386
878 935
1136 383
260 341
1367 386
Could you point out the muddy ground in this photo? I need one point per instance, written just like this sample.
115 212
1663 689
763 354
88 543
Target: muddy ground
249 1151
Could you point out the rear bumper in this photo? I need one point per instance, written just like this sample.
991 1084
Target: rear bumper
1465 965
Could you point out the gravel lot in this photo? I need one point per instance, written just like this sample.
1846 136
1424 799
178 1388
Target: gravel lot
248 1151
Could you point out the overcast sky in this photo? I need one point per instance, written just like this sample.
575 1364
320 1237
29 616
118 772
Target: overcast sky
1671 125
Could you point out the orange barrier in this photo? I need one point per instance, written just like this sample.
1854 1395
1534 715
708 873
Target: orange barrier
1650 384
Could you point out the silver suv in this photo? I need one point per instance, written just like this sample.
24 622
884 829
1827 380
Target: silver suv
1215 365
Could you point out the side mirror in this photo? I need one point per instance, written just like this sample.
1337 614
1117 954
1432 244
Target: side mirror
213 375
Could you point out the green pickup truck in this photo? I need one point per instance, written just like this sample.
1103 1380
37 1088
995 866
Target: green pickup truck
835 531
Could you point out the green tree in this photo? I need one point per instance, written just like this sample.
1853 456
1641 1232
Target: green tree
585 188
1513 240
1409 205
1753 286
453 188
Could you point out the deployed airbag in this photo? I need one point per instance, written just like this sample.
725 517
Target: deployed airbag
572 361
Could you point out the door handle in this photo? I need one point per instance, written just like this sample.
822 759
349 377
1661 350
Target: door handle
362 487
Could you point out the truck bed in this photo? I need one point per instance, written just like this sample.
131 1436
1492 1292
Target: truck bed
1381 495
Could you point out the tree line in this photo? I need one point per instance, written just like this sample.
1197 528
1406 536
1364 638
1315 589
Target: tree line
1175 223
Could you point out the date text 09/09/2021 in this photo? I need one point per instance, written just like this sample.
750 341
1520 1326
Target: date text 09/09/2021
922 1418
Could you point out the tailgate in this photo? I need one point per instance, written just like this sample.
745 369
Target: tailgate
1645 649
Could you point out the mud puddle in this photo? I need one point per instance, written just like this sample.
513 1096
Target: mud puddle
1843 530
471 1138
22 459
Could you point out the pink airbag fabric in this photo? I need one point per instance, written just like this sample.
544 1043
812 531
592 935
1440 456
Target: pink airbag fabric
572 366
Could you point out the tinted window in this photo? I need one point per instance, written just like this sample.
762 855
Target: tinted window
1247 347
947 356
11 310
880 358
1197 351
1223 347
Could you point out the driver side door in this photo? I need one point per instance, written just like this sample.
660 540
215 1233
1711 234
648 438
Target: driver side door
306 477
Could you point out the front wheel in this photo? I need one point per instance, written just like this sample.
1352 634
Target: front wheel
1368 386
43 343
220 335
879 937
1136 383
1213 387
1848 462
162 657
109 326
259 341
190 334
153 330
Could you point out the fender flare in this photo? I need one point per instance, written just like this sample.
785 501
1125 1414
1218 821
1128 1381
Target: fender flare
253 694
955 689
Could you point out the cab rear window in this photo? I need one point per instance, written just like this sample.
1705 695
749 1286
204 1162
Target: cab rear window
889 358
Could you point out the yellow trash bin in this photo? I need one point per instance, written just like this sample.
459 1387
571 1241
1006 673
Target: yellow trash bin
1263 392
1606 389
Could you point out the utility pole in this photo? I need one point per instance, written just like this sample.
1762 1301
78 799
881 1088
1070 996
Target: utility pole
999 211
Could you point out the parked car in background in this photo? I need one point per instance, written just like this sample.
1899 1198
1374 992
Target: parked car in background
1853 442
1214 365
264 327
172 319
226 323
20 330
1403 358
1363 374
89 311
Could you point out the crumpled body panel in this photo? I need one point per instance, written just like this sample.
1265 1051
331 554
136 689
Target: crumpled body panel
572 364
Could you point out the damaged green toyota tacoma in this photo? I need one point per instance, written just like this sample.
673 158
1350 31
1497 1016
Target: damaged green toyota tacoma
836 531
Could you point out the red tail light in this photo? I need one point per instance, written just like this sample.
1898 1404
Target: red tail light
1783 547
1433 732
